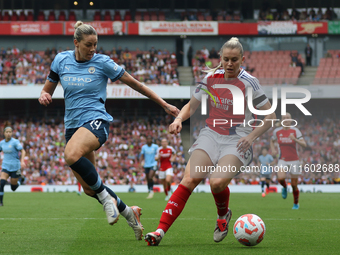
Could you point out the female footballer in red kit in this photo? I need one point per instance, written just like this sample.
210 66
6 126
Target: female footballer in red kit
228 145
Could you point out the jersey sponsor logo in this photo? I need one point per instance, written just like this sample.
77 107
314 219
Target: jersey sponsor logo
76 79
91 69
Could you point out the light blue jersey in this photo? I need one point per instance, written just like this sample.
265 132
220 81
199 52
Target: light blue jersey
11 161
265 161
149 153
84 85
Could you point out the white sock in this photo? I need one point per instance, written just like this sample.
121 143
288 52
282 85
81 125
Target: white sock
102 195
161 232
127 213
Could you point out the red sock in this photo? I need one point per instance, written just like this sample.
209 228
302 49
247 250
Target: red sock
296 196
166 190
222 201
174 207
79 186
283 183
169 187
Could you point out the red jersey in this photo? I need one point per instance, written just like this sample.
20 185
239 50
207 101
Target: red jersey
287 146
164 157
221 118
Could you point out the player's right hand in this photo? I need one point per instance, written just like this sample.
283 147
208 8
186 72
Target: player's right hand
45 98
175 127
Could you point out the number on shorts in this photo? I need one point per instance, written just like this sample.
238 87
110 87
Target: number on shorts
95 124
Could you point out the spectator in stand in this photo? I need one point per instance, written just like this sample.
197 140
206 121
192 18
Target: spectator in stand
205 52
47 52
15 51
296 61
190 55
308 53
213 53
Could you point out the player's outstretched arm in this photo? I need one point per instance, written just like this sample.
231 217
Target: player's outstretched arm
47 92
144 90
187 110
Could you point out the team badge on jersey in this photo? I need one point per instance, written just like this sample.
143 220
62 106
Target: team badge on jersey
198 88
91 69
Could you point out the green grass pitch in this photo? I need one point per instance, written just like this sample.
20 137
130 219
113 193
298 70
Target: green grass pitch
65 223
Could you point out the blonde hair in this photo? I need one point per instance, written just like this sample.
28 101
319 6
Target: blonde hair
232 43
83 29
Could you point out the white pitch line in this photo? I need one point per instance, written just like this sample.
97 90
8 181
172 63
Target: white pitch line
153 219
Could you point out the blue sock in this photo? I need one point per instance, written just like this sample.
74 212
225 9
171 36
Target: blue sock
151 185
14 187
2 185
262 185
88 173
120 204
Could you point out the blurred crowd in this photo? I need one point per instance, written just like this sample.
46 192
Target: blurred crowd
277 12
117 161
22 67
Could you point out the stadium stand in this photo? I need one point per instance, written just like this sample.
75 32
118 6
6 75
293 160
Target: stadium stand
117 161
270 67
328 71
21 67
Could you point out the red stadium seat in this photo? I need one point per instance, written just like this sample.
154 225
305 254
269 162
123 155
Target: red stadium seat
237 17
200 17
41 16
153 16
97 16
127 16
228 17
220 18
161 16
14 16
117 16
107 16
72 16
146 16
138 16
22 16
30 16
51 16
62 16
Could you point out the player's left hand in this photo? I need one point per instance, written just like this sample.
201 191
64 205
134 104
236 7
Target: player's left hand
23 164
291 136
244 144
170 109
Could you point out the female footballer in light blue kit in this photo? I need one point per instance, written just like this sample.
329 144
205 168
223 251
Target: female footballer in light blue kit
83 76
11 164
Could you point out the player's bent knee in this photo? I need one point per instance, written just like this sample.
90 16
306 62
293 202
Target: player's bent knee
72 156
217 185
190 183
